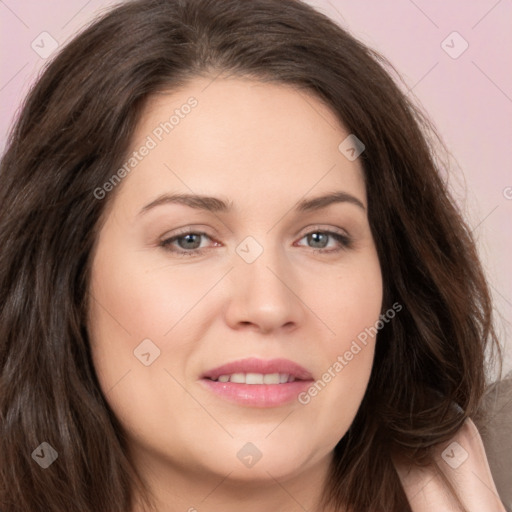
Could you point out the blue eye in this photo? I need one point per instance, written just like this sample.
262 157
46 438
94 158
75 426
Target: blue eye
189 243
320 239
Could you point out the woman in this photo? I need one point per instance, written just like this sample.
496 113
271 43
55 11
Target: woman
232 277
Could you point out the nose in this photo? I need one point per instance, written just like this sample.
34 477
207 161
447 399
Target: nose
264 295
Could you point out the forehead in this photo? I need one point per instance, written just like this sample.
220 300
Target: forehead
254 142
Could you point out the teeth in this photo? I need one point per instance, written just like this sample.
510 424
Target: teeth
257 378
238 378
271 378
254 378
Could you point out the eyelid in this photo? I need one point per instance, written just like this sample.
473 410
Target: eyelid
312 228
191 228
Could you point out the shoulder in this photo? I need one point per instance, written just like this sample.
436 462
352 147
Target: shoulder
463 463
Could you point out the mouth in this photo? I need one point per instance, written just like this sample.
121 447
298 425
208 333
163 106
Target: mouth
256 378
256 382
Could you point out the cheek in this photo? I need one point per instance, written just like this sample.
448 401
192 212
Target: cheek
349 301
334 398
130 319
133 311
138 296
351 308
352 354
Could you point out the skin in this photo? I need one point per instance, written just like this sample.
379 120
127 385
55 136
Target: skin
264 147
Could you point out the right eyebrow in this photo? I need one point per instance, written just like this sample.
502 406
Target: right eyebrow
208 203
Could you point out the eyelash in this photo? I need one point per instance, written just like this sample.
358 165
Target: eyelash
344 241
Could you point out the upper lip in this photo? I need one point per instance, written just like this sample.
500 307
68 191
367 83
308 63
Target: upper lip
255 365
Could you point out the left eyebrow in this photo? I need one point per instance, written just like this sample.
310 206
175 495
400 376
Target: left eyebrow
215 204
317 203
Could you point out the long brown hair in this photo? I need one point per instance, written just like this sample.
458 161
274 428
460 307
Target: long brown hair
74 130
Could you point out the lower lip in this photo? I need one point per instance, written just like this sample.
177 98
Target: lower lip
258 395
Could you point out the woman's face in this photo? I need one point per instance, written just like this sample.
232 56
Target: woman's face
274 282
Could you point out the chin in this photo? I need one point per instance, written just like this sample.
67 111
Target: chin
260 459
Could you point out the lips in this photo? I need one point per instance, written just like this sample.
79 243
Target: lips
255 382
250 370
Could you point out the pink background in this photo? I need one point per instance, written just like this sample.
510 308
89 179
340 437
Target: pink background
468 97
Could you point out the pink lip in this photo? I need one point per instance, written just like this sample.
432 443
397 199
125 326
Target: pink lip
258 395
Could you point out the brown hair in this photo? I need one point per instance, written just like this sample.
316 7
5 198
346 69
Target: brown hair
74 130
